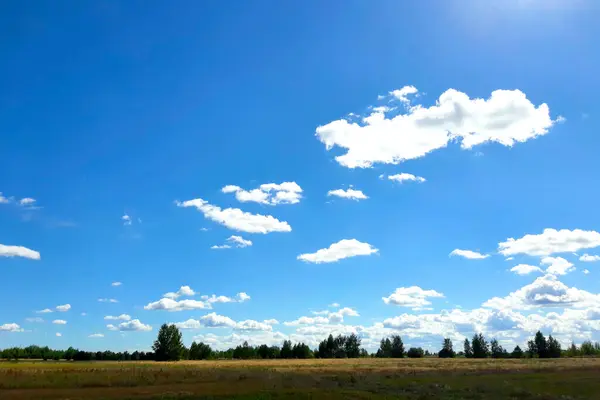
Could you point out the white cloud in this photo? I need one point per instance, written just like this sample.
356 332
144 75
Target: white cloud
181 305
116 284
183 291
557 265
589 258
337 251
44 311
412 297
506 117
271 321
471 255
218 299
334 305
586 271
18 251
122 317
509 258
214 320
58 334
34 319
524 269
351 194
236 219
242 297
324 317
268 193
10 328
96 335
550 241
27 201
404 177
108 300
4 200
63 308
236 241
251 325
130 326
401 94
545 291
126 220
59 322
307 321
83 314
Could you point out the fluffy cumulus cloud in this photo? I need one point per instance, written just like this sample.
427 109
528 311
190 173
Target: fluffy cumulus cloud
525 269
351 194
59 322
413 297
58 334
183 291
130 326
233 241
506 117
63 308
126 220
268 193
545 291
557 265
122 317
10 328
471 255
337 251
550 241
18 251
324 317
116 284
214 320
589 258
236 219
174 305
404 177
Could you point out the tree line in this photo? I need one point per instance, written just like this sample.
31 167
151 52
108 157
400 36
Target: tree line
169 346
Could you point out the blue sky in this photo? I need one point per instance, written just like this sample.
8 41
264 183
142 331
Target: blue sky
149 110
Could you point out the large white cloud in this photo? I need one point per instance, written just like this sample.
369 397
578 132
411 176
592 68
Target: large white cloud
174 305
471 255
18 251
337 251
506 117
268 193
412 297
236 219
10 328
550 241
325 317
350 193
214 320
545 291
130 326
557 265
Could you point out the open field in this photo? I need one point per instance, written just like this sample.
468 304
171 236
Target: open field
430 378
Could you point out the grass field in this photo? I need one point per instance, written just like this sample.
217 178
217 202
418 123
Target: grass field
429 378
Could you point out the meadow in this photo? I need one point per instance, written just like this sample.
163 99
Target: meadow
365 378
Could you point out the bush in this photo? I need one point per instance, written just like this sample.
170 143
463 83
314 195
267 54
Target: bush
415 352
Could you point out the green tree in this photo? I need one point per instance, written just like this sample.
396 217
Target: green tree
496 349
467 349
517 353
541 345
168 346
447 351
480 346
385 349
554 350
397 350
286 349
352 346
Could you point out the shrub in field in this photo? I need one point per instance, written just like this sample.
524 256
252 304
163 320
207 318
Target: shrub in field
517 353
415 352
